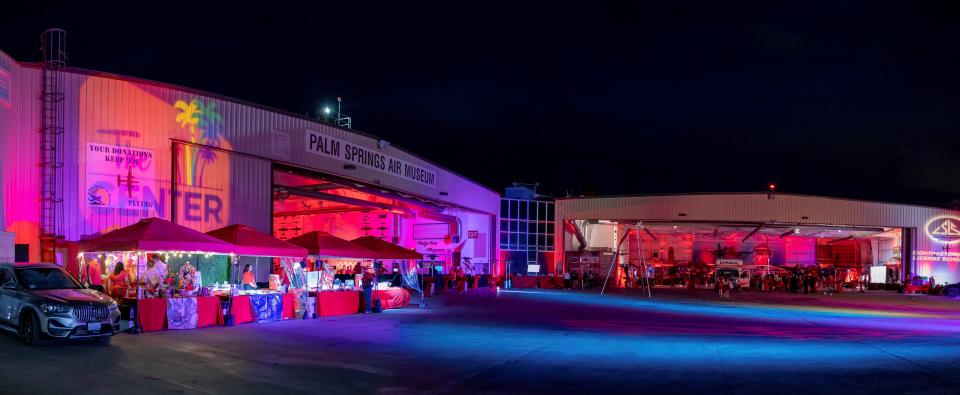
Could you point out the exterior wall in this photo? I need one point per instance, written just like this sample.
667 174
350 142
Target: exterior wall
18 170
219 177
757 207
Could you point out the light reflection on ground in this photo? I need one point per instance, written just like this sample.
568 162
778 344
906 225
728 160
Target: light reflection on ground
540 342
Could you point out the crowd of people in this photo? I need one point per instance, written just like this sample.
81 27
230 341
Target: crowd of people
573 279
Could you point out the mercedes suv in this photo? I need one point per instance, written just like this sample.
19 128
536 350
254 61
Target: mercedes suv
43 301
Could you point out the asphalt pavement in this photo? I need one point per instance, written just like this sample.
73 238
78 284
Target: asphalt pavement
535 342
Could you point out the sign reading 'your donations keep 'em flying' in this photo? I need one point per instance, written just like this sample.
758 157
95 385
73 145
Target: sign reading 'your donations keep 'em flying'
321 144
120 177
943 229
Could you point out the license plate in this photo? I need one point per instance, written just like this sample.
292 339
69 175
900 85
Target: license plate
93 327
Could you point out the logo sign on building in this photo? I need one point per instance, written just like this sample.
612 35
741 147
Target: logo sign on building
943 229
120 177
936 256
321 144
728 261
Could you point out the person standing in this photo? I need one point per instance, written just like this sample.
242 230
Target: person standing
437 280
94 279
367 282
566 279
461 280
119 282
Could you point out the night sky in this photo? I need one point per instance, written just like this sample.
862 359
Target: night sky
854 100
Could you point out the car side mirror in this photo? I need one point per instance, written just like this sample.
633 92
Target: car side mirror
11 286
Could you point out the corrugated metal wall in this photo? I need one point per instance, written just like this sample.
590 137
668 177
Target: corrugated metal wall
756 207
132 113
20 152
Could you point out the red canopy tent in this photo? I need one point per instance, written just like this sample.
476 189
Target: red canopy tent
325 244
248 241
386 250
155 234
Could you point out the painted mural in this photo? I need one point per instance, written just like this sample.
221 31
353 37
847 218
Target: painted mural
128 161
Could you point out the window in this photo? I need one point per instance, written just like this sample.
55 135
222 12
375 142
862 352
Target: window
6 276
526 225
47 278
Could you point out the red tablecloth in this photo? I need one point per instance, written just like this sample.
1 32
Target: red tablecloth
332 303
548 282
240 310
289 304
524 281
152 314
209 312
392 298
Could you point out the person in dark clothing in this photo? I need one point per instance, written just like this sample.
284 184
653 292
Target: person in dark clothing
367 281
437 281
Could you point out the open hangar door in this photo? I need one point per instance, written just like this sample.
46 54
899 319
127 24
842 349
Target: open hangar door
675 253
447 235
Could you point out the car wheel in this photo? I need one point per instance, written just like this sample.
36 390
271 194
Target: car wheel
953 292
30 330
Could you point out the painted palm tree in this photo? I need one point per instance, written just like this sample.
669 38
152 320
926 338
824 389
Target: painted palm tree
188 113
188 117
210 126
210 123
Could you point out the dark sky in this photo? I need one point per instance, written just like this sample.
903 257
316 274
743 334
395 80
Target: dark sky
854 99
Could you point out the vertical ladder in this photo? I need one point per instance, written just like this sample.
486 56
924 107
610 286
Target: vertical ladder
53 48
645 282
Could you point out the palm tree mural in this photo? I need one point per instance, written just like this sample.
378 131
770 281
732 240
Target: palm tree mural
206 128
211 129
188 113
188 117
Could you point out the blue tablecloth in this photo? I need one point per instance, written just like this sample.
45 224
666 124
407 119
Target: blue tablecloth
181 313
267 307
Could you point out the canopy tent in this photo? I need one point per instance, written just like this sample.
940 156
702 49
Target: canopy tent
155 234
325 244
386 250
132 244
248 241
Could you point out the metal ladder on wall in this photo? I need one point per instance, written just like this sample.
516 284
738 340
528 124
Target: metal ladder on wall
53 47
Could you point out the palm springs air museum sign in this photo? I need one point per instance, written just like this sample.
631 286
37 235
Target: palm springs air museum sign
321 144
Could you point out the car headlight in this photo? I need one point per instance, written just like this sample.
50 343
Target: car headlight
54 308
